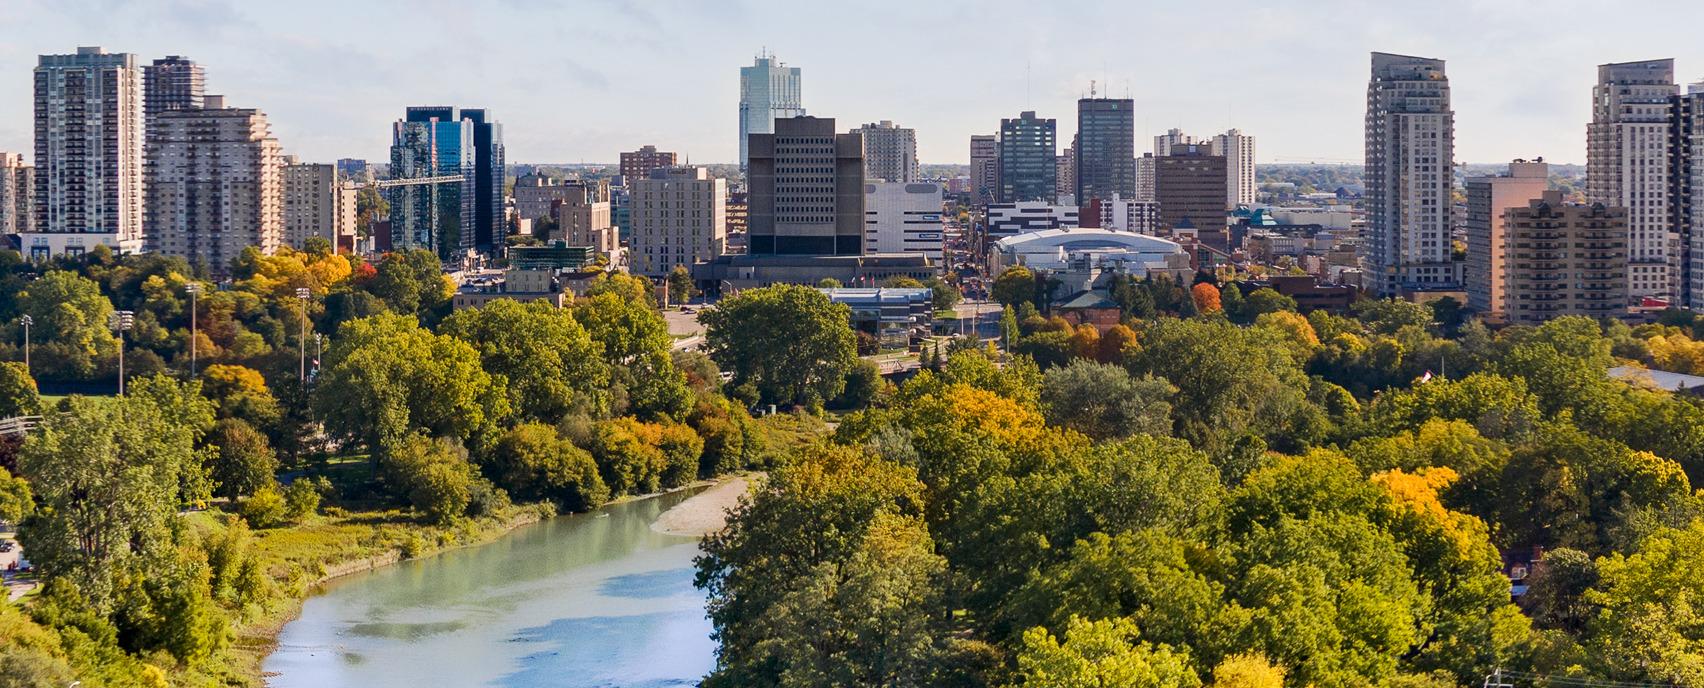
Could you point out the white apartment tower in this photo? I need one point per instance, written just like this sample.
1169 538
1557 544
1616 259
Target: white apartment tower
89 138
317 204
679 217
214 184
1173 137
984 167
1410 153
1238 149
890 152
1628 164
17 194
769 90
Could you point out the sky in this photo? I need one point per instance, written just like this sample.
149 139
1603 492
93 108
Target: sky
582 80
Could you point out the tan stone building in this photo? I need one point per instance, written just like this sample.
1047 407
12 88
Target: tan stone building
583 216
214 184
680 217
1566 259
1488 198
317 203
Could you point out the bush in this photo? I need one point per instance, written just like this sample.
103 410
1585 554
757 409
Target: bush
266 508
245 462
682 448
534 462
302 497
433 475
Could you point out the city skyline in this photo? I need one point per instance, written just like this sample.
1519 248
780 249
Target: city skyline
1294 77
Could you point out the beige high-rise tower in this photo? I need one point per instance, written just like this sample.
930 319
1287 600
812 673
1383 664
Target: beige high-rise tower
1410 161
1238 149
1628 149
1488 198
88 154
214 184
317 203
1565 259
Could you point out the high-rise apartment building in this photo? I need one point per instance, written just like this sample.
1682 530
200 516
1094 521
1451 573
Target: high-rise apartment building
172 83
1029 164
1173 137
1410 155
1145 178
214 184
490 162
637 165
17 195
1566 259
985 167
1065 173
1488 198
680 217
769 91
1688 162
433 142
890 152
583 216
902 217
317 203
89 139
1105 150
806 190
1629 164
1238 149
1189 184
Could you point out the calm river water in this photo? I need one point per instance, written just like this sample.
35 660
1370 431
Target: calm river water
588 600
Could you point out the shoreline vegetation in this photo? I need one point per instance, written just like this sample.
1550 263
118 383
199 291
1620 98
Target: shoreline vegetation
697 516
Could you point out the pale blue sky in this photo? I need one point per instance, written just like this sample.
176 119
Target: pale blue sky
585 79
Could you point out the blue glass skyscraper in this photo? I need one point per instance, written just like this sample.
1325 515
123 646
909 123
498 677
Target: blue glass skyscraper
447 217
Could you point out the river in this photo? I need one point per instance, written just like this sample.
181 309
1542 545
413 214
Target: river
595 599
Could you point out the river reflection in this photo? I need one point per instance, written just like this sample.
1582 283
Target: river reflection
590 600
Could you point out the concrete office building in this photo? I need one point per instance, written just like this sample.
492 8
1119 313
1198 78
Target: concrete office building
1065 173
172 83
637 165
433 142
769 90
985 167
1488 199
1124 215
1238 149
807 190
535 193
890 152
1410 155
1189 185
902 217
583 216
1145 178
215 187
1173 137
1566 259
89 140
680 217
1105 150
1628 164
1029 162
317 203
17 195
1007 219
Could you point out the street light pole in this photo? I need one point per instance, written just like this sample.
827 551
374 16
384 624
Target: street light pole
121 322
302 344
194 288
27 322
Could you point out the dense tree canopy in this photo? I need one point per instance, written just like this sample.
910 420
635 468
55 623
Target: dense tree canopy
790 343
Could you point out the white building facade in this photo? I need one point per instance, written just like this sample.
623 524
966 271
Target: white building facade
1410 158
317 203
890 152
1628 149
89 139
215 184
902 217
1238 149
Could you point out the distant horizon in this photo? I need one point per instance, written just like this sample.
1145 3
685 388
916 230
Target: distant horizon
587 82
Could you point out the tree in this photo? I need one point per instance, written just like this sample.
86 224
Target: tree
790 342
532 462
944 294
1231 381
432 474
680 285
1206 298
1101 653
552 365
385 377
1247 671
1014 286
627 462
244 463
18 396
70 328
829 283
1103 401
15 500
240 392
1266 300
1645 629
369 205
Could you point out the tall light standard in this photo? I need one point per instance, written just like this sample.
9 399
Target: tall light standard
121 322
194 289
302 368
27 321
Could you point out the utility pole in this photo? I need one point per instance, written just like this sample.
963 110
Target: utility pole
27 321
121 322
302 344
194 288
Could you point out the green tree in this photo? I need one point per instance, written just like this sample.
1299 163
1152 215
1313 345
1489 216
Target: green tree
1103 401
1014 286
240 392
1646 629
18 396
244 461
552 365
1101 653
15 500
432 474
70 330
680 285
790 342
532 462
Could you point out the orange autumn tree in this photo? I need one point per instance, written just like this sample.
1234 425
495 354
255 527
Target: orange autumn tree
1206 298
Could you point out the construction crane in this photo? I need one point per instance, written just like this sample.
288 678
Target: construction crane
415 181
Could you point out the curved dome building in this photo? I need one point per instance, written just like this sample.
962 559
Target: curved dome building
1055 249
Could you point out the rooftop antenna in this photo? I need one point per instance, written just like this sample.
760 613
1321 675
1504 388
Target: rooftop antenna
1029 99
1091 89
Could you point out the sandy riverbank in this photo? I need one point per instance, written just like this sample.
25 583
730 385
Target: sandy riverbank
704 513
